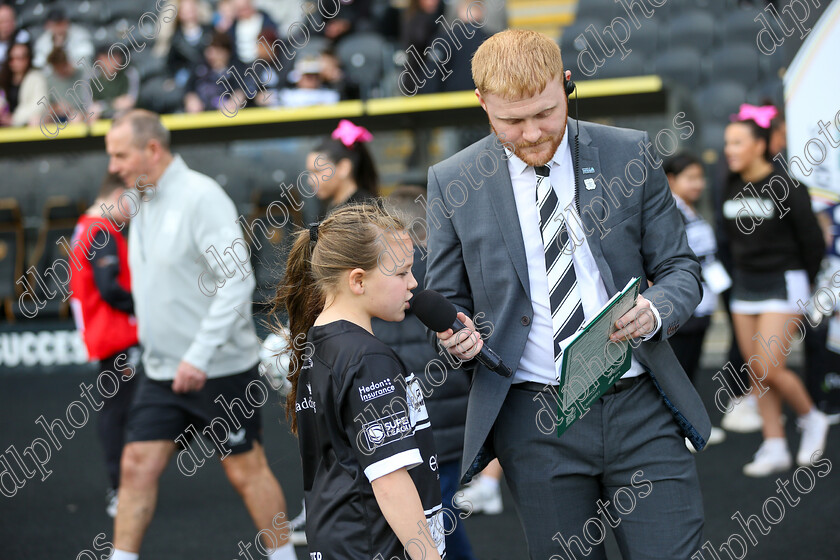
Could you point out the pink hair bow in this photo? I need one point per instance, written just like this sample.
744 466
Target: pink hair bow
349 133
761 115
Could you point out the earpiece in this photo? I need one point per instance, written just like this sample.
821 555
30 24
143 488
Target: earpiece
568 86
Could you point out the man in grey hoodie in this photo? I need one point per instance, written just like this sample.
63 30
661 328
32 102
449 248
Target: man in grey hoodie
200 349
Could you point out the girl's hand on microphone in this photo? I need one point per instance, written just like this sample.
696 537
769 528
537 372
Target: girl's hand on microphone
464 344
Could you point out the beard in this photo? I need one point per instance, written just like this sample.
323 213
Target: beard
548 146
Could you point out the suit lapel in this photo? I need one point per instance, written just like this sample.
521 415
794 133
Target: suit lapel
591 163
504 206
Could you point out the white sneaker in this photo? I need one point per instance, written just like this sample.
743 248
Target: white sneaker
771 457
814 426
113 500
480 498
744 417
297 526
717 436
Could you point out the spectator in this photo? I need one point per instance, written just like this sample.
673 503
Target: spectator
344 167
246 29
687 181
9 33
775 261
333 76
191 37
104 314
224 16
269 77
204 93
309 84
21 86
354 16
120 88
459 64
61 77
418 31
59 32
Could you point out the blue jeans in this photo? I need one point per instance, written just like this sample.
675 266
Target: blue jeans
457 544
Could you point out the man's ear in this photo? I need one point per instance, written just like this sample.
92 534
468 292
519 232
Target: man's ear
480 100
356 281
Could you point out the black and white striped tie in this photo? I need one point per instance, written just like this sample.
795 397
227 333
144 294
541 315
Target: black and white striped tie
566 307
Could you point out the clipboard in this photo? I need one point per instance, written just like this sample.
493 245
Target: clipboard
591 363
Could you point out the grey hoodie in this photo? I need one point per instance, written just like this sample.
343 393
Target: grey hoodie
191 300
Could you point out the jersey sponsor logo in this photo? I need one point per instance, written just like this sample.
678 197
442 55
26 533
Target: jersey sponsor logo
236 438
306 403
315 556
416 403
433 462
376 389
387 429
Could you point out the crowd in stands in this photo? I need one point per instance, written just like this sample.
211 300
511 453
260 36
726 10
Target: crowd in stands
204 42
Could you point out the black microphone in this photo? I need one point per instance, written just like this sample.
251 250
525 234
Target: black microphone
438 314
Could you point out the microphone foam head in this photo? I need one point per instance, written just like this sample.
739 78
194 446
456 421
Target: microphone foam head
434 310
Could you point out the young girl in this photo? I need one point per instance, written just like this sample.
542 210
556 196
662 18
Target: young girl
776 256
369 464
353 177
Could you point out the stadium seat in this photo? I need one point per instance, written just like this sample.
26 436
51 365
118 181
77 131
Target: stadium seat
614 67
772 90
570 45
718 7
771 65
32 13
160 94
645 39
684 66
693 28
129 10
719 100
89 13
148 65
598 9
739 25
677 7
59 220
11 254
362 58
711 136
269 259
735 62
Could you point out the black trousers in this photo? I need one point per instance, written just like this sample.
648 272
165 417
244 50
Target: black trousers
114 413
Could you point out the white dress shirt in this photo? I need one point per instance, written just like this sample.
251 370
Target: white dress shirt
537 362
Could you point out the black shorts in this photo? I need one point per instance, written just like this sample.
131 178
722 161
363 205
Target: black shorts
220 410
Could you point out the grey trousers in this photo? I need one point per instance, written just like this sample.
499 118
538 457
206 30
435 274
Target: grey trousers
623 464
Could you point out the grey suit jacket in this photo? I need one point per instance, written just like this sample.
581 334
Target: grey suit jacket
477 261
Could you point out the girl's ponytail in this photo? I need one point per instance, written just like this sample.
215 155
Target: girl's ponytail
300 295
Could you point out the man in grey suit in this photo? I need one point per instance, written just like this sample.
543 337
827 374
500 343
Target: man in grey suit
493 215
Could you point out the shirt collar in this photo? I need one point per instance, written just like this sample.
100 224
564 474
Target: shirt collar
175 166
517 166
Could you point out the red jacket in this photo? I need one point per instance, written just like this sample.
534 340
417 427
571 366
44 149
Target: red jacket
105 330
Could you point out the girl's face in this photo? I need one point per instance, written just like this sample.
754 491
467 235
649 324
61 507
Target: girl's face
689 184
388 287
329 174
741 148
